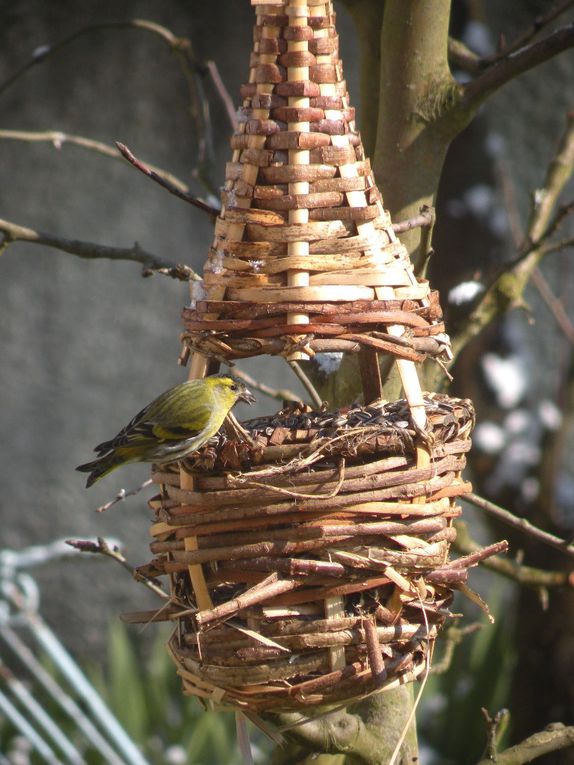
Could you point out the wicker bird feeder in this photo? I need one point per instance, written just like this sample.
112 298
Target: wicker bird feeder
309 564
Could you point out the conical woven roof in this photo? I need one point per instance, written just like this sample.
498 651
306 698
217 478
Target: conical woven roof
304 257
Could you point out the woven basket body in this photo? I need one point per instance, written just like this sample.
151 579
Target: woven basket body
310 566
323 508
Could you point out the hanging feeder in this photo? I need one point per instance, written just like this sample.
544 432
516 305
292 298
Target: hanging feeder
309 564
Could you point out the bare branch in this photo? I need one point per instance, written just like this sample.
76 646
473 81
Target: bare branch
164 183
463 57
554 304
122 495
537 25
507 290
553 738
223 93
103 548
57 138
495 727
526 575
519 523
426 219
89 250
514 64
45 51
311 390
467 60
280 394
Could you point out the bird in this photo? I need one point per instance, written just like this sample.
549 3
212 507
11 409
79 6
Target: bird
176 423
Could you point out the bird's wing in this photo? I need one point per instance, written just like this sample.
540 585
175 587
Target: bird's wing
147 427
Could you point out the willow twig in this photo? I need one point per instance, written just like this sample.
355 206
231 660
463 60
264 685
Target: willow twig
90 250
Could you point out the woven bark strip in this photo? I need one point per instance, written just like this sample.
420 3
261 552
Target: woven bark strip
318 508
301 197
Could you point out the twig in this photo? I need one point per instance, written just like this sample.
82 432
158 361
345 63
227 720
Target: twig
559 246
164 182
101 547
526 575
511 65
507 290
553 738
90 250
315 397
561 215
451 638
537 25
554 304
57 138
410 718
495 727
223 93
460 55
463 57
280 394
45 51
191 69
123 495
519 523
424 220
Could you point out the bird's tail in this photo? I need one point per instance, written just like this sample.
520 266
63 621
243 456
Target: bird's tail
101 467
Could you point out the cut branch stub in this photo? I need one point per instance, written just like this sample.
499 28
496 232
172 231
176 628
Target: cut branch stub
302 224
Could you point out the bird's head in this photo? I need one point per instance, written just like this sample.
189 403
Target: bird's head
233 388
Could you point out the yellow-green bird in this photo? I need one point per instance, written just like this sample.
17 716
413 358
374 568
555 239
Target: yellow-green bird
175 424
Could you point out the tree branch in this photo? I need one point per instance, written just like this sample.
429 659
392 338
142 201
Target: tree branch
43 52
517 572
417 91
553 738
519 523
507 290
102 547
537 25
463 57
57 138
89 250
368 737
514 64
164 183
467 60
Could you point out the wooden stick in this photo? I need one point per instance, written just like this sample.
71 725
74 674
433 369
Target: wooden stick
297 157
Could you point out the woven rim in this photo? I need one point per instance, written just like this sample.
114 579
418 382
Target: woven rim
321 506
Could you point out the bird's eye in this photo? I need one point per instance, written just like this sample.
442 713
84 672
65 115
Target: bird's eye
235 387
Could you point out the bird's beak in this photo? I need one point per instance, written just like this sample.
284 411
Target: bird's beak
247 396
